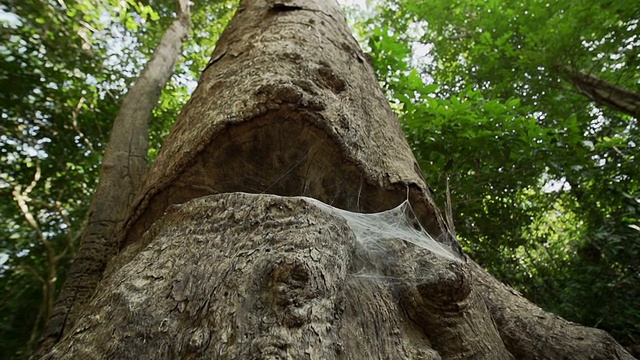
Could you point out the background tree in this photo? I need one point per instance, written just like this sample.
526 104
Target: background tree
47 125
64 70
123 165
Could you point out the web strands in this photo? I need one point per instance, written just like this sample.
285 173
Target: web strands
376 232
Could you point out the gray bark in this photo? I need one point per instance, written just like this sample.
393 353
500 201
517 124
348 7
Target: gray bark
259 276
124 164
289 106
604 93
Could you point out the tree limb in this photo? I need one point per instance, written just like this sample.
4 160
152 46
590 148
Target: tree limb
603 92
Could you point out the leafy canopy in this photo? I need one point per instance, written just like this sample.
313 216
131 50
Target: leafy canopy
544 180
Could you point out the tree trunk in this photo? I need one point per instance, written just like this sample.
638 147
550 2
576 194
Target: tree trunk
221 257
124 164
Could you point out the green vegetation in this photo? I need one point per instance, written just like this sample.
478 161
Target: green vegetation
64 68
497 100
544 174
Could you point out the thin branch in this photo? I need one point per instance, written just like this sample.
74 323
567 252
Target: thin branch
48 285
21 200
34 182
74 122
183 9
449 210
32 271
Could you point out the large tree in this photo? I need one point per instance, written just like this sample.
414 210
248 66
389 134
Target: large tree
219 257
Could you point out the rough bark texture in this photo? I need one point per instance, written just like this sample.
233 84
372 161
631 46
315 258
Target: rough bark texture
287 100
531 333
289 106
605 93
124 164
244 276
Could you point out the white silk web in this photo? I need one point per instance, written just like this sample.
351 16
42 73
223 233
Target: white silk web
375 231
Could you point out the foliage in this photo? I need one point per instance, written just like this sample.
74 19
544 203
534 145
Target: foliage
544 181
64 67
53 121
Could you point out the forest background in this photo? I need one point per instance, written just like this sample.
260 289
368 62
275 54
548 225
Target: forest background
525 112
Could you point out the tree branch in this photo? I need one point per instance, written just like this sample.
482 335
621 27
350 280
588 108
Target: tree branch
604 93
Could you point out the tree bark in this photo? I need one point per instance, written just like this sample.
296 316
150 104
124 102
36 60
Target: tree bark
124 164
221 258
605 93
